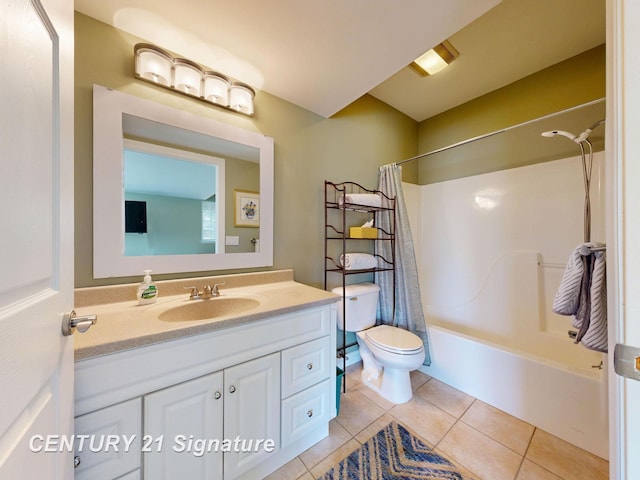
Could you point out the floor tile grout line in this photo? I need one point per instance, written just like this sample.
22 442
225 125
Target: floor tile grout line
498 441
533 461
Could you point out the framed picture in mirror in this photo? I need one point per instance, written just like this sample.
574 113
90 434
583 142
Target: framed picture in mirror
247 208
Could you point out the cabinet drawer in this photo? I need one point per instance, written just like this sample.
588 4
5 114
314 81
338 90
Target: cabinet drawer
116 423
306 411
305 365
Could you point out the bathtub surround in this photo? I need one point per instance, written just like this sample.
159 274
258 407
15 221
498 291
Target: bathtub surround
492 331
408 308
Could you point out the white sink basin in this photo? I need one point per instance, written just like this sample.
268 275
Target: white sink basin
208 309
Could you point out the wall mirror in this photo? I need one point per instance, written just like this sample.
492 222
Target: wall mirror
169 187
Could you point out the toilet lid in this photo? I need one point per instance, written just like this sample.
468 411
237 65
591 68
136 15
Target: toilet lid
394 339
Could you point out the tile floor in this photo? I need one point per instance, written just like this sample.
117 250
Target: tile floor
486 443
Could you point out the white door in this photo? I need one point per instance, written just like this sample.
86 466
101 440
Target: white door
36 235
623 244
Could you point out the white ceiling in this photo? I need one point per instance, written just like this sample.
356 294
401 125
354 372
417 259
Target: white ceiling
324 54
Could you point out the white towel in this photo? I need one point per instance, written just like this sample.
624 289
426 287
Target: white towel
358 261
368 199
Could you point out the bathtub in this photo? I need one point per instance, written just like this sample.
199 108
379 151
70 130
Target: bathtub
491 250
567 402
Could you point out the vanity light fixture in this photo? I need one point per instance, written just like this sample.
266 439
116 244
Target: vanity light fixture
241 98
216 88
187 76
435 59
155 65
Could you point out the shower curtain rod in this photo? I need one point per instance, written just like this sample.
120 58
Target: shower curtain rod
491 134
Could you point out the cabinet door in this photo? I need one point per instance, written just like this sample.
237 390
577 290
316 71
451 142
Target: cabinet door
181 425
252 412
118 422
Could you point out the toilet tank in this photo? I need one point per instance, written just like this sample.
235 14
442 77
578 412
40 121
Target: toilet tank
361 304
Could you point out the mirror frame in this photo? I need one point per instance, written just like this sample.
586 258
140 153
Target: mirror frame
108 188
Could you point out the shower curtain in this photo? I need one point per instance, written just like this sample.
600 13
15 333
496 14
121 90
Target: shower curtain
408 311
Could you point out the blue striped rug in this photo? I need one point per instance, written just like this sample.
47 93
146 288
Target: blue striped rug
394 454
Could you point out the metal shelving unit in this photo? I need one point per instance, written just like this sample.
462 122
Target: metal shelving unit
338 213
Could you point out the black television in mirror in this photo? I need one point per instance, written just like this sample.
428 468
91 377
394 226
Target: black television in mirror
135 216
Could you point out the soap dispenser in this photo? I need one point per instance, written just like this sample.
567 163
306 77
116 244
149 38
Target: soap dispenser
147 291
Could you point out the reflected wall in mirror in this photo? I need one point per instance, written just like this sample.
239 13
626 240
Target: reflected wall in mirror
174 201
163 190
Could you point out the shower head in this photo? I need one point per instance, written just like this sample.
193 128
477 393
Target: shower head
553 133
584 135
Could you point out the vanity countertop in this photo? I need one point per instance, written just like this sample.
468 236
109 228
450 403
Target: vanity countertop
123 324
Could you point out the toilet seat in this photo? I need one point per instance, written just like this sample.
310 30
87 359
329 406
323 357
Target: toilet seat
394 340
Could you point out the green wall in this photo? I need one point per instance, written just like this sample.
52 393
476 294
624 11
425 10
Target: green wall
573 82
351 145
174 226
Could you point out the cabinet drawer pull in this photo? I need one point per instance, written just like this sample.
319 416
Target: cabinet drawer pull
76 461
310 413
217 395
309 366
232 389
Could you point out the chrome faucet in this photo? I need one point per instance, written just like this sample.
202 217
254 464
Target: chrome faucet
207 291
193 294
216 291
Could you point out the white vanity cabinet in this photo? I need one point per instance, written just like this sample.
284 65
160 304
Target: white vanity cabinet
270 379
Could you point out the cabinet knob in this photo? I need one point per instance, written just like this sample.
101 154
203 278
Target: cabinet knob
309 366
309 413
232 389
76 461
217 395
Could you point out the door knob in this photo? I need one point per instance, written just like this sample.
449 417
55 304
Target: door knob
232 389
217 395
72 322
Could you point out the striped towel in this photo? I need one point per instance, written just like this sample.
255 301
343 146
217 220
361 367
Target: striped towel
567 299
583 294
595 336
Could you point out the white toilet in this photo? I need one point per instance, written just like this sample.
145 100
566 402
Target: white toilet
388 353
